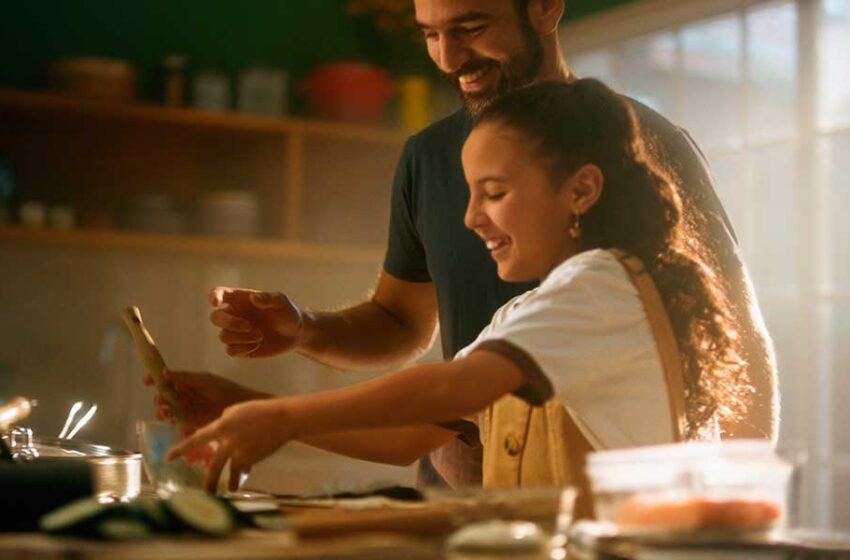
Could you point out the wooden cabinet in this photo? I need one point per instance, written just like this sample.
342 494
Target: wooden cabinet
324 188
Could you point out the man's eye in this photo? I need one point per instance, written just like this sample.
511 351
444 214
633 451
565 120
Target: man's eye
475 30
429 35
495 196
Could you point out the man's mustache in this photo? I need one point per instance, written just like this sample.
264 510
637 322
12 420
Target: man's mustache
471 67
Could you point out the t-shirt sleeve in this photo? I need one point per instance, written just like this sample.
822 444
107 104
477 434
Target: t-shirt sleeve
564 336
405 258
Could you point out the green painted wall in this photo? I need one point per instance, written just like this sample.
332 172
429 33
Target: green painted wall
214 34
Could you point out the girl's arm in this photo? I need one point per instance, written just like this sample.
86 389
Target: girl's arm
425 394
422 394
400 446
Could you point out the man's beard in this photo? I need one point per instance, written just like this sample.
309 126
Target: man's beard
519 70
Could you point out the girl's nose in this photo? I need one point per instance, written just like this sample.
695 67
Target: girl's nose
474 217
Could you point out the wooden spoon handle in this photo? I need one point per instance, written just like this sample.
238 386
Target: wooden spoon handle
152 359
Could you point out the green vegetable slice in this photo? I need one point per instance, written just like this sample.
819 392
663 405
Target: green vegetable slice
201 512
73 515
123 529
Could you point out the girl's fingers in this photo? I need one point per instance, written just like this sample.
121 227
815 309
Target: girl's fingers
214 470
199 438
235 476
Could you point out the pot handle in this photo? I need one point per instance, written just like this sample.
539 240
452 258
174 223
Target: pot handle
14 411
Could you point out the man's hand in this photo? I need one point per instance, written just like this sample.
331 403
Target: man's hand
244 435
255 324
203 396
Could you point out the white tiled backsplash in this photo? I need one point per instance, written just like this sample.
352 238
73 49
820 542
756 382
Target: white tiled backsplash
62 340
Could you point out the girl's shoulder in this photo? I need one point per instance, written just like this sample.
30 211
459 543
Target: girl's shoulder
596 266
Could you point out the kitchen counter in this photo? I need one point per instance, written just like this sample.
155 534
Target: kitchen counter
246 544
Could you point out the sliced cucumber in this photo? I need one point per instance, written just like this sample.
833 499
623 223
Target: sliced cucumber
75 516
201 512
271 522
123 529
153 509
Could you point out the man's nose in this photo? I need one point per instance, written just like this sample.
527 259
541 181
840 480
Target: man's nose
451 54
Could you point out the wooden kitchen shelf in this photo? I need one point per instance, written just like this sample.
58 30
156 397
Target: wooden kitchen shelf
317 182
62 105
193 245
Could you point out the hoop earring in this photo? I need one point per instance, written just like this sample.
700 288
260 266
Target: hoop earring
575 229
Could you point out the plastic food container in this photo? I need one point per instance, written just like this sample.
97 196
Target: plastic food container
739 486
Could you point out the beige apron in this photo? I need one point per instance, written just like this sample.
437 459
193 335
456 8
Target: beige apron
542 446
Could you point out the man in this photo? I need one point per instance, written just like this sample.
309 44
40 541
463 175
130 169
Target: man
436 269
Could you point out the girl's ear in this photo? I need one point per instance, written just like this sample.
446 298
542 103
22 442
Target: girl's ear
585 187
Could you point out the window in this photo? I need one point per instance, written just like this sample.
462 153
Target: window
764 89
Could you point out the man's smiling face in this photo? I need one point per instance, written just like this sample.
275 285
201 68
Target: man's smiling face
482 47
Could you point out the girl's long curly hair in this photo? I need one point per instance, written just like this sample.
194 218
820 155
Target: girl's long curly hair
639 211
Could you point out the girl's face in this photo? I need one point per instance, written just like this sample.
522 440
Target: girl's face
514 206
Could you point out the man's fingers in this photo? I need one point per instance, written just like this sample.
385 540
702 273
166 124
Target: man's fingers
242 350
231 338
216 295
266 300
223 319
221 295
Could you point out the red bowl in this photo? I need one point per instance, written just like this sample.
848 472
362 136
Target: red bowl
349 91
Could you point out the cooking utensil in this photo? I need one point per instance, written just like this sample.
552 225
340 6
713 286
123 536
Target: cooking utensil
74 409
115 473
83 421
15 410
152 359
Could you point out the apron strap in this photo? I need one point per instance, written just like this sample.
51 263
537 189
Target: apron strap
665 338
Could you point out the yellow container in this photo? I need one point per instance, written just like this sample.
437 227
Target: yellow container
415 102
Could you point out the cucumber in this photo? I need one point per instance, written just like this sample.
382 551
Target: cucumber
271 522
77 516
153 509
201 512
123 529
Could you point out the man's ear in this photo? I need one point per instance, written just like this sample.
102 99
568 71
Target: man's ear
545 15
585 187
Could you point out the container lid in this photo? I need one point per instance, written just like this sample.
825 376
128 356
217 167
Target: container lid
743 450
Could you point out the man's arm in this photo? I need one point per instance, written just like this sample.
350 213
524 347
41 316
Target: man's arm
396 325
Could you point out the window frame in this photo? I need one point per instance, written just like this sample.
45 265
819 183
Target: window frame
811 428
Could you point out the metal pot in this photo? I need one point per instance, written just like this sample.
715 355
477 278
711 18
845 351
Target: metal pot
115 473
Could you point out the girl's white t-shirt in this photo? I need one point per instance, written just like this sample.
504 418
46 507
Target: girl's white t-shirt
586 330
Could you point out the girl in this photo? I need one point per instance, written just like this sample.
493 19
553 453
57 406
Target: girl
562 190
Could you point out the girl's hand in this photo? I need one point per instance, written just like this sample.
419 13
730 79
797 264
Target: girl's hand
244 435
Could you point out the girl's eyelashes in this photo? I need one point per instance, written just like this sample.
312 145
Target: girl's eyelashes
495 195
